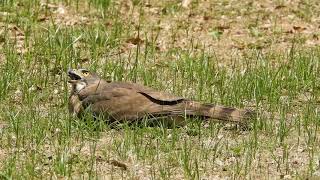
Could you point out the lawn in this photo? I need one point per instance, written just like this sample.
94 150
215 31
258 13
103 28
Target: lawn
262 55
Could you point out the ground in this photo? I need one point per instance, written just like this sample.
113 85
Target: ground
261 55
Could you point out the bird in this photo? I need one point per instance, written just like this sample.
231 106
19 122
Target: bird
131 102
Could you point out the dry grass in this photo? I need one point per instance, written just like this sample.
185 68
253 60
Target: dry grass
262 54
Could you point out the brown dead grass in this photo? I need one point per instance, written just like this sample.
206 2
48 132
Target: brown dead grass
62 15
15 36
3 152
228 29
107 164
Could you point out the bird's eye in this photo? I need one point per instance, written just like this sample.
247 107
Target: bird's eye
85 73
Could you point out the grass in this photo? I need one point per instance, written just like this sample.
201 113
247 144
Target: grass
125 41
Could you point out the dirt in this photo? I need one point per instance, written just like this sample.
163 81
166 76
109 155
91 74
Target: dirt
3 152
228 29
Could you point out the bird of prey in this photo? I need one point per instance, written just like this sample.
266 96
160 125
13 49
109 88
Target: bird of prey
130 102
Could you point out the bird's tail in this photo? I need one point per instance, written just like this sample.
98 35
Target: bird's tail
211 111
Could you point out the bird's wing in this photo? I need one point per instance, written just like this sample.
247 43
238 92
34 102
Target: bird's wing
127 104
162 98
154 95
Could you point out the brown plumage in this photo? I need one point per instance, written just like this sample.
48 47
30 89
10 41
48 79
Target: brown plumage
122 101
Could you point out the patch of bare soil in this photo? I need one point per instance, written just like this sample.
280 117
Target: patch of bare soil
267 161
2 58
15 36
3 152
3 156
61 14
229 29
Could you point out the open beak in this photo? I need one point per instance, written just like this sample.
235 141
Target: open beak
74 76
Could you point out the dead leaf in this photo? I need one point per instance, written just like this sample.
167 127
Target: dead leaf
164 11
84 59
222 27
280 7
238 46
108 24
206 18
118 164
148 5
18 31
113 162
289 31
315 37
42 18
299 28
135 41
191 14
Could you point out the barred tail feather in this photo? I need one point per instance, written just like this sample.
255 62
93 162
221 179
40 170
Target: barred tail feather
211 111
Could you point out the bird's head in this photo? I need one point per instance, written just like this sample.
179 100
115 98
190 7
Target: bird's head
81 78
